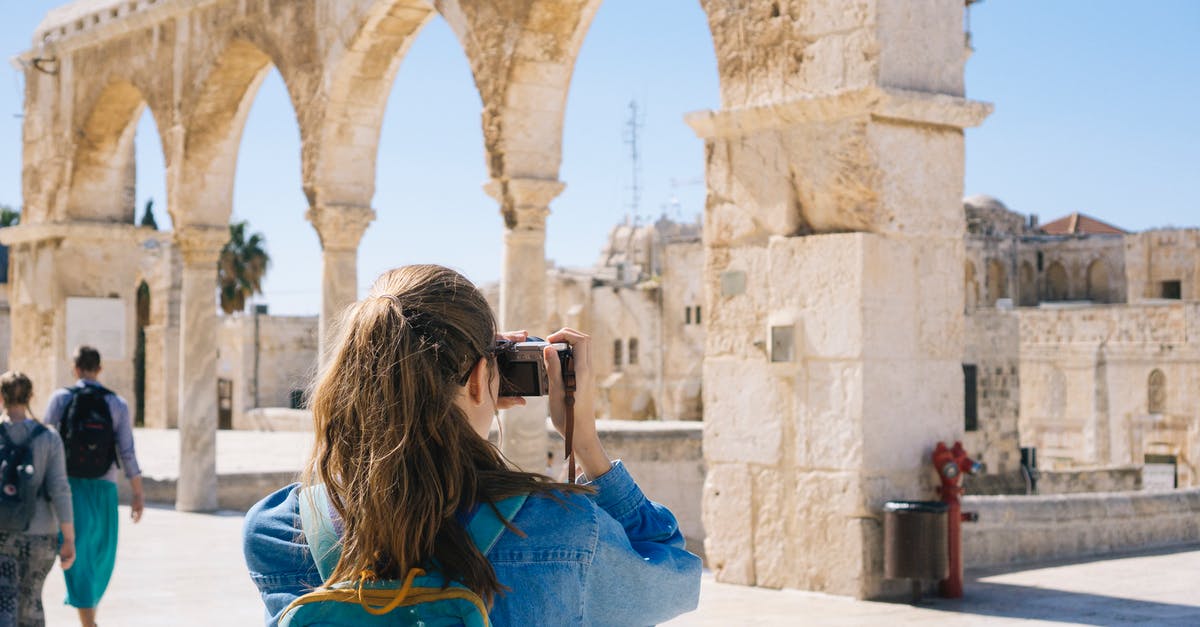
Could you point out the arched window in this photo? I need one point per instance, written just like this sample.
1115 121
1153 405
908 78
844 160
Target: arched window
1056 282
971 286
1097 282
997 282
1156 400
1028 286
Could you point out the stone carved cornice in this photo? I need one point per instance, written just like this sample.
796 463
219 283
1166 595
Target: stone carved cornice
524 202
882 103
104 231
340 227
201 244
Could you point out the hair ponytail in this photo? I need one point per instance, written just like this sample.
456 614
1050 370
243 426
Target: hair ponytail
398 457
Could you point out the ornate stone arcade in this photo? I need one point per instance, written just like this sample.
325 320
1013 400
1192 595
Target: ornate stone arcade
833 228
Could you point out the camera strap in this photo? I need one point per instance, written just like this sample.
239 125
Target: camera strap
569 427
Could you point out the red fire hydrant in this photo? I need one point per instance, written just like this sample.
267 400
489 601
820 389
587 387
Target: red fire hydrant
951 465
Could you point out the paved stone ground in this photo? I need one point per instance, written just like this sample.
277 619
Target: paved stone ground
186 569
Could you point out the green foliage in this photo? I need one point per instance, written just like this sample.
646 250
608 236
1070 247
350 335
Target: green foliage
9 216
148 217
241 267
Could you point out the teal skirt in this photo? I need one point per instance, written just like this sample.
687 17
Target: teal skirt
95 505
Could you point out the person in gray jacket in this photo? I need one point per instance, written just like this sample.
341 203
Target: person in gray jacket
27 556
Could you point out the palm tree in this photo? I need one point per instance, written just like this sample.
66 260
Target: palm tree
9 216
241 267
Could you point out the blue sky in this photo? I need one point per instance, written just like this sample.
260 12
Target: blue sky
1095 112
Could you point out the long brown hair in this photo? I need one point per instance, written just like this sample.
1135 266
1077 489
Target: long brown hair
399 459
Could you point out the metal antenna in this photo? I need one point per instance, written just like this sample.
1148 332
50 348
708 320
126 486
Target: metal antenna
632 126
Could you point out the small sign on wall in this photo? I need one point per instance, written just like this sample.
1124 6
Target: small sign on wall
97 322
1160 472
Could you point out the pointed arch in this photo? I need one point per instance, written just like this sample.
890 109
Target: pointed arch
352 118
970 285
202 189
1056 282
997 281
1156 392
103 174
1097 281
1028 285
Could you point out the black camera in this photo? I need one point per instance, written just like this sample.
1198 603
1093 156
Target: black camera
523 369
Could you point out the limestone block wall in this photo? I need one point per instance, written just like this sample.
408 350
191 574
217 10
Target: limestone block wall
287 359
1024 529
1163 255
993 346
1113 479
1086 385
683 346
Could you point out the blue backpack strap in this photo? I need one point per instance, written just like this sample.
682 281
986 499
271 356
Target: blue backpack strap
325 545
319 532
485 528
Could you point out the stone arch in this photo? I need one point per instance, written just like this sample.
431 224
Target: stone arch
1156 392
213 125
361 82
1028 285
1097 282
104 169
971 286
1056 286
997 281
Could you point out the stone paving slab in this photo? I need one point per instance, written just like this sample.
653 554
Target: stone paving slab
186 569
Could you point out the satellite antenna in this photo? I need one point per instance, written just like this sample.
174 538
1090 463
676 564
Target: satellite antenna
633 127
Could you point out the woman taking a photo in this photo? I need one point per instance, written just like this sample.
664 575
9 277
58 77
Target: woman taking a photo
35 507
401 416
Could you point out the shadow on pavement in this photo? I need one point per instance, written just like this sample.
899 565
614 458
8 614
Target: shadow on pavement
1025 602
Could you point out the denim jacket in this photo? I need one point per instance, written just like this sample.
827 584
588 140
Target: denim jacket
612 558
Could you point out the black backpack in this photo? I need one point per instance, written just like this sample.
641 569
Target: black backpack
89 439
18 495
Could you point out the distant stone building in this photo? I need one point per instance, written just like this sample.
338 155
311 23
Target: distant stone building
1083 342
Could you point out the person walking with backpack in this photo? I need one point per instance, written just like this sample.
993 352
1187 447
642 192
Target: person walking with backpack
97 436
35 505
408 513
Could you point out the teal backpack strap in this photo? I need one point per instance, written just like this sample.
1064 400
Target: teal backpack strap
322 538
485 528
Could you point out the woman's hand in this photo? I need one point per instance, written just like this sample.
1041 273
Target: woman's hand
585 440
66 553
506 402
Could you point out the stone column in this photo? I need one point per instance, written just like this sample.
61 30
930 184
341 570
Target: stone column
200 247
525 204
834 328
340 228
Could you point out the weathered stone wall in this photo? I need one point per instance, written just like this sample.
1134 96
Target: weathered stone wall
993 345
287 357
1024 529
1085 391
683 345
1075 481
1163 255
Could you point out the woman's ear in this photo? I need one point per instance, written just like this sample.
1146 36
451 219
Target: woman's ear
477 382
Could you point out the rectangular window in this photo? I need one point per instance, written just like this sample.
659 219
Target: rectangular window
297 399
617 354
1041 261
971 396
1172 290
633 351
697 314
687 313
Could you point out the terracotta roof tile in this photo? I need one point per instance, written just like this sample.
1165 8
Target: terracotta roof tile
1080 224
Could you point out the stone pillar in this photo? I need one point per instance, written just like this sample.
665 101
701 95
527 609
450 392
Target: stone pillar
525 204
340 229
834 328
200 247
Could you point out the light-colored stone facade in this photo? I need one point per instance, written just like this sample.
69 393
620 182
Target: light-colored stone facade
267 360
832 305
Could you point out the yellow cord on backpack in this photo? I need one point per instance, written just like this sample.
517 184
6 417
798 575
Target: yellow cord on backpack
396 600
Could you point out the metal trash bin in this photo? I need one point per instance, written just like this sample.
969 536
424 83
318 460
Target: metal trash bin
915 540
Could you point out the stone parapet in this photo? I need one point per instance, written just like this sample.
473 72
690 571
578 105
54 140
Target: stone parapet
1026 529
